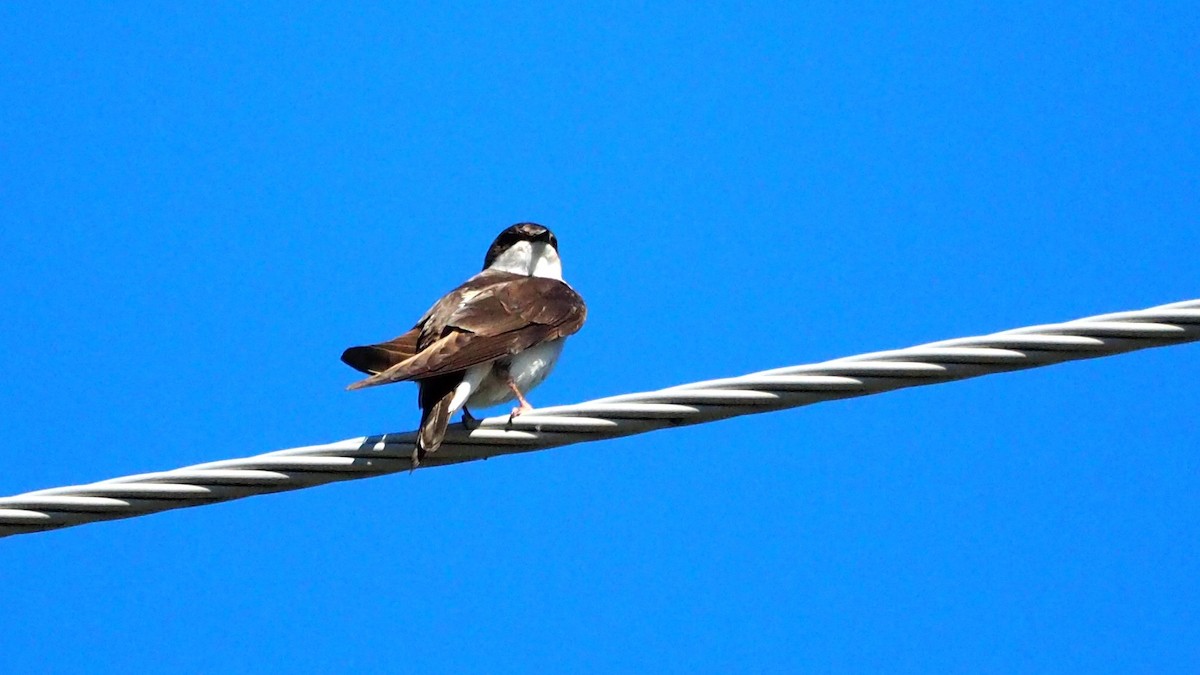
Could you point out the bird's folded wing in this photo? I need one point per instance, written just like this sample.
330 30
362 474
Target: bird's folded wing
372 359
497 321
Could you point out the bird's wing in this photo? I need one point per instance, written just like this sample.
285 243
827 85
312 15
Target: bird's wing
372 359
487 322
376 358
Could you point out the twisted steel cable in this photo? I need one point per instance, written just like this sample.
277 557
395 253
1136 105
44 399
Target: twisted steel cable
610 417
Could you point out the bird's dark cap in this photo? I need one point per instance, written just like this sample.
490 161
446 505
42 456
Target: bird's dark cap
531 232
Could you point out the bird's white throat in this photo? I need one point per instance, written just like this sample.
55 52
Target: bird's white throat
534 258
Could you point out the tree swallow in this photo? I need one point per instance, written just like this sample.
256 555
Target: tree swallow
489 341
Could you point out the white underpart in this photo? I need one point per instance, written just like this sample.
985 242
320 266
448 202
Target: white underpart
537 259
528 369
471 380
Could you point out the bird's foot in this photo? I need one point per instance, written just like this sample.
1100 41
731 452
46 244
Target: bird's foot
469 421
518 411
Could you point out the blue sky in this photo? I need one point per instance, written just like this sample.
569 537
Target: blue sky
202 205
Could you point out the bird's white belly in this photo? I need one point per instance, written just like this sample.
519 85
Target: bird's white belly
528 369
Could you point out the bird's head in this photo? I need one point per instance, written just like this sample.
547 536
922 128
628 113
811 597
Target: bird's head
525 248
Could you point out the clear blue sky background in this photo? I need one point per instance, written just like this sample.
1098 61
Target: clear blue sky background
201 206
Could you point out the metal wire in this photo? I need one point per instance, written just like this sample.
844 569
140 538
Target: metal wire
610 417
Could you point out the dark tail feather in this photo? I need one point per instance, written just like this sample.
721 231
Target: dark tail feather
435 397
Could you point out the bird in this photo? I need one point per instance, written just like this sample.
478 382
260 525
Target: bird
489 341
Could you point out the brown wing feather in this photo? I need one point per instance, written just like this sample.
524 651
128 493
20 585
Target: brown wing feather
513 305
502 318
376 358
372 359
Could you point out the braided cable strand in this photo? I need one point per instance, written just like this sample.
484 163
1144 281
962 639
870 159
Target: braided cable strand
610 417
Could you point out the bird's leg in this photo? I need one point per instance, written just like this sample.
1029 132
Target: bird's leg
524 407
469 421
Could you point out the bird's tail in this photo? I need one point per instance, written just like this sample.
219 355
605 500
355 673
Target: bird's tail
436 396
